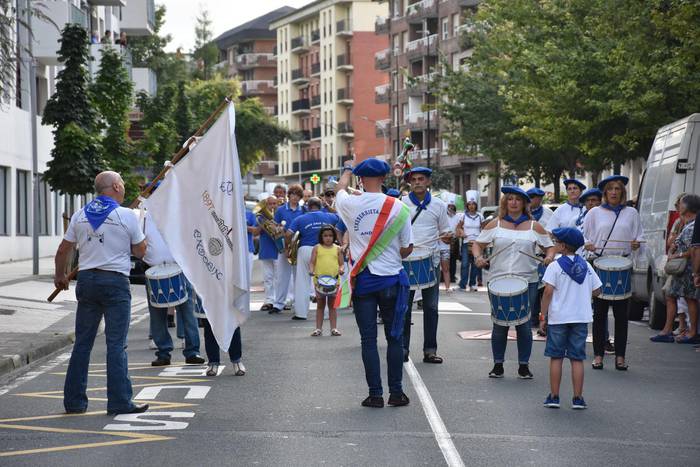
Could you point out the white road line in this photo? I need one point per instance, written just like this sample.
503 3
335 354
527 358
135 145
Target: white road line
30 375
442 436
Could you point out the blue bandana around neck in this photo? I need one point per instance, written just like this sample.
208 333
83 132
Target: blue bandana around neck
99 209
616 210
518 221
578 205
537 213
579 220
576 269
421 205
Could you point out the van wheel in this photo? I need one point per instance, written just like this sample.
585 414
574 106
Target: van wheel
657 312
635 310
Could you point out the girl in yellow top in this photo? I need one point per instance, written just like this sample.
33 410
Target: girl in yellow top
326 260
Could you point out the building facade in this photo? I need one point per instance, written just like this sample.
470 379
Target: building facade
17 187
325 87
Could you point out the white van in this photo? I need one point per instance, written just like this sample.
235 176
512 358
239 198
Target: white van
672 168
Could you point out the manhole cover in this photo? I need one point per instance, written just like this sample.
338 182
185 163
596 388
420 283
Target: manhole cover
6 311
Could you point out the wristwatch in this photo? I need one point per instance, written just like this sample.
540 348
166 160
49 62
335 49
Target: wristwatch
347 167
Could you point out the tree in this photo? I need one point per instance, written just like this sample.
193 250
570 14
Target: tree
206 53
160 136
75 155
183 116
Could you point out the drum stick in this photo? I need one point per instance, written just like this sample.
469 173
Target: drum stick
541 260
499 252
628 241
56 291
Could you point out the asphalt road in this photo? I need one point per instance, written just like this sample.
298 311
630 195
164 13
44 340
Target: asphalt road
299 404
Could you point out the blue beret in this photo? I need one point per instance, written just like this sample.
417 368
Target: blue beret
537 191
418 170
569 181
569 235
393 192
371 168
515 190
613 178
590 192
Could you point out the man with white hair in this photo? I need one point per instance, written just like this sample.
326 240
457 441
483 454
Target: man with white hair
268 254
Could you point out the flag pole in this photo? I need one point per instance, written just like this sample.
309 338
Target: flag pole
149 189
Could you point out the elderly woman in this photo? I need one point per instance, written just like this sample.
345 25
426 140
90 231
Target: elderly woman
513 231
468 228
682 285
612 220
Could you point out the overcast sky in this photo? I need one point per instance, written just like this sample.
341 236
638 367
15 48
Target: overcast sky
225 14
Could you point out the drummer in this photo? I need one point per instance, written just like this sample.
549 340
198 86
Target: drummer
612 220
430 225
540 213
511 232
589 199
566 214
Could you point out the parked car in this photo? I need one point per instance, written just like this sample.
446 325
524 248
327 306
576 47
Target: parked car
671 169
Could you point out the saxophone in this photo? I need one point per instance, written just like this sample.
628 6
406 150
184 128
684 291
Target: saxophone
266 221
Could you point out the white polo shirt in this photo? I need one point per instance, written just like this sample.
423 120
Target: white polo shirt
360 214
571 301
157 251
429 224
564 216
109 247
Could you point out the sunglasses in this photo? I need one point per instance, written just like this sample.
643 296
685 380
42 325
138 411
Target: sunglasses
329 193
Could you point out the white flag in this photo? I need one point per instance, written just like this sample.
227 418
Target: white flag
200 212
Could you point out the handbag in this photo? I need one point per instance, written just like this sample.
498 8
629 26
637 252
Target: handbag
676 266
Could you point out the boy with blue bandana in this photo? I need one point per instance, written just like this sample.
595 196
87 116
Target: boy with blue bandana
570 281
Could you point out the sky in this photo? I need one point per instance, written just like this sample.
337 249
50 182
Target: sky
180 17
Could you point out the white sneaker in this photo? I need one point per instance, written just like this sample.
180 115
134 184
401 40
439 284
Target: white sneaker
152 344
238 369
473 289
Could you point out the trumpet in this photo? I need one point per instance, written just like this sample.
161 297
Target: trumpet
266 220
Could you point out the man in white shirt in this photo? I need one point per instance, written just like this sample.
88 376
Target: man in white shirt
380 236
567 214
106 235
430 226
540 213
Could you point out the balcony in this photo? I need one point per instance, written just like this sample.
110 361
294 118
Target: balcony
344 96
270 110
345 130
303 137
267 168
417 12
382 60
311 165
299 77
121 3
316 101
381 25
422 47
419 120
258 87
46 37
382 127
96 51
315 36
252 60
381 94
300 106
300 44
315 69
138 18
343 28
144 80
316 133
422 154
343 62
419 85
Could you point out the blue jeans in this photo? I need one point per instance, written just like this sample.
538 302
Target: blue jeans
365 307
159 327
430 299
499 335
100 293
468 269
235 350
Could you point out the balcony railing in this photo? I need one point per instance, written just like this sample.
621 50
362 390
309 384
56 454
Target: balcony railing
382 127
344 95
316 132
345 128
311 165
422 46
343 61
316 100
300 105
315 36
381 25
315 68
381 93
419 10
423 153
420 119
250 60
299 76
343 27
421 83
382 59
299 44
251 87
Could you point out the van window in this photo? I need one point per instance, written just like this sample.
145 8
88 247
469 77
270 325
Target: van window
663 186
658 148
673 142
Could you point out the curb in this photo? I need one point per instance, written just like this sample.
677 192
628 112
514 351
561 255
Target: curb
10 363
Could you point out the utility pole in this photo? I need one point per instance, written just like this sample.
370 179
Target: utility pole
36 222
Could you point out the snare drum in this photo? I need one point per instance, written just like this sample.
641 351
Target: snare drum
509 300
166 285
421 272
326 285
615 273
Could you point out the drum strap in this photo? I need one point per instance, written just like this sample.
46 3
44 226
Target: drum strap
617 216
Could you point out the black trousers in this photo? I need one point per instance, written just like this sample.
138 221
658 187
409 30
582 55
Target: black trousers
600 318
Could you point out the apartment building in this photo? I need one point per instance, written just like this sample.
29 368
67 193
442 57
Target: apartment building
16 174
325 87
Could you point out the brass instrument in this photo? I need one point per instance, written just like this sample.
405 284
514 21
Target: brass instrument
266 221
293 249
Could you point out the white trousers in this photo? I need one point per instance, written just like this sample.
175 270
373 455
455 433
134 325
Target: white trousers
283 271
302 283
268 272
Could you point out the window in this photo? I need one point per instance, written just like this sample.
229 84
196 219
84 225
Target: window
455 24
4 207
43 207
22 202
445 28
57 215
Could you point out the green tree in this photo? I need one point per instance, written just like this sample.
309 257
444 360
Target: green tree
75 155
183 116
205 53
160 136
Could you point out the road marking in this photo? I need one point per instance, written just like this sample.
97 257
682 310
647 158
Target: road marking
442 436
33 374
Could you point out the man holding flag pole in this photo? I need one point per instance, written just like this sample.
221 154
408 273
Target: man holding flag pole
380 235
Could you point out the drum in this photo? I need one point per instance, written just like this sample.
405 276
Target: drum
421 272
326 285
615 273
166 285
509 300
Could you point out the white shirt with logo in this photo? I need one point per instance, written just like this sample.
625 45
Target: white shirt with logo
571 301
109 247
430 223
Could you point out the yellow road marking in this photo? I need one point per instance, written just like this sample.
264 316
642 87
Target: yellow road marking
80 446
154 404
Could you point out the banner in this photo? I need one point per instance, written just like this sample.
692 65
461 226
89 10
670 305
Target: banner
200 212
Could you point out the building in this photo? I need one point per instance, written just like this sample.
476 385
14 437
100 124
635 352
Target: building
247 52
16 175
325 87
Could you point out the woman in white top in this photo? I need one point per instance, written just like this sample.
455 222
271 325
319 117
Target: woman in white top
469 228
514 231
567 213
612 220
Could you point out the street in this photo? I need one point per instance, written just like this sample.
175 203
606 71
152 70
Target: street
299 404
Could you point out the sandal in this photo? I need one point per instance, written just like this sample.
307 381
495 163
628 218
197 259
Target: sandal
620 366
335 332
266 307
662 338
316 333
432 358
687 340
597 366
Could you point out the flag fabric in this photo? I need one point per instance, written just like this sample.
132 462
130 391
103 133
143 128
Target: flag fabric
199 211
